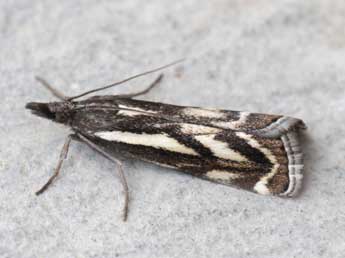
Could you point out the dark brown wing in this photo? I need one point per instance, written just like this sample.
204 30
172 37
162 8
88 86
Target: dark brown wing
256 152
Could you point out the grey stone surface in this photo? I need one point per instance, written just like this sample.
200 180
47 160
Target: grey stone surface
284 57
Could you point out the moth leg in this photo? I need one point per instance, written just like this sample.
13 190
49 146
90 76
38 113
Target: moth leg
54 91
144 91
63 156
120 170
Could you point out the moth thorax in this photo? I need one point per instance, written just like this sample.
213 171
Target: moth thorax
62 110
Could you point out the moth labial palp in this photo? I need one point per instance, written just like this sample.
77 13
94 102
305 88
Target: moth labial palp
256 152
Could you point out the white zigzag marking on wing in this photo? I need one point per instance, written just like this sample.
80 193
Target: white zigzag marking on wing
220 149
158 141
261 186
234 124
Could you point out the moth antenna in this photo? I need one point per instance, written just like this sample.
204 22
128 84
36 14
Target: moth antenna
126 80
144 91
54 91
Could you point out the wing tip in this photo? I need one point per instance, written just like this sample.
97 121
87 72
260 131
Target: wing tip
287 129
281 127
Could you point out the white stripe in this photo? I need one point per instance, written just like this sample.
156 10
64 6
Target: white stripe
261 186
220 149
222 175
198 129
137 109
158 141
129 113
202 112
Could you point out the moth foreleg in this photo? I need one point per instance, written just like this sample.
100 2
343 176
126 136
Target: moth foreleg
54 91
63 156
120 170
144 91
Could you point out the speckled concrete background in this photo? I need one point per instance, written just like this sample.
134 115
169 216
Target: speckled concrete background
284 57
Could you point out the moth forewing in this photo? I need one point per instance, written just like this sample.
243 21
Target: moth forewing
256 152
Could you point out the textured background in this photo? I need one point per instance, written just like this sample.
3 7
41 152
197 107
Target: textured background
284 57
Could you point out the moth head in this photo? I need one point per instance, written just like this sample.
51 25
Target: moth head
60 112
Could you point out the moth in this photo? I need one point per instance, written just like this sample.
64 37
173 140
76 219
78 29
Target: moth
256 152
